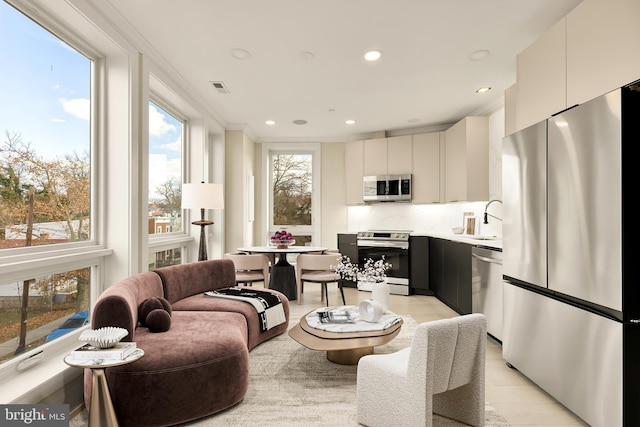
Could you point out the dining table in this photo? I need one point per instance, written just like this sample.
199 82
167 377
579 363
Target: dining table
283 274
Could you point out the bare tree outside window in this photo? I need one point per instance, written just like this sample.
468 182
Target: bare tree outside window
292 186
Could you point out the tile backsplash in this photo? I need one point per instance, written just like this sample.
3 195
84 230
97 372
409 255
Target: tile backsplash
436 218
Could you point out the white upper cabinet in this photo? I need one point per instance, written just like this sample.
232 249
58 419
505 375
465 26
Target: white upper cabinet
602 48
588 53
384 156
467 160
375 156
353 168
510 109
399 155
541 71
426 167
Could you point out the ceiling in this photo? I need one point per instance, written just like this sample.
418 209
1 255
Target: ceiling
306 59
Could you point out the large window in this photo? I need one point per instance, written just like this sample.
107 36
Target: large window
45 174
45 184
166 135
293 201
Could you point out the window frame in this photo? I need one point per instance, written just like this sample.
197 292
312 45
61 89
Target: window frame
182 238
163 237
19 264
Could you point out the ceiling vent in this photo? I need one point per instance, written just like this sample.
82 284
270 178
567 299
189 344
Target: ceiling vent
220 87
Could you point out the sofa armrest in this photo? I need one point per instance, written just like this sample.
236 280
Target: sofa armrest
118 305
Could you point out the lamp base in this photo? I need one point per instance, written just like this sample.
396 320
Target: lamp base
202 250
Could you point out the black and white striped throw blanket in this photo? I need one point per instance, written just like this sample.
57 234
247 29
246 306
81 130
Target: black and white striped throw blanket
267 304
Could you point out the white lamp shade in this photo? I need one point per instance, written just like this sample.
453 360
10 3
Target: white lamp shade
202 196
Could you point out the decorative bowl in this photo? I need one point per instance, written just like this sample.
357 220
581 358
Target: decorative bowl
282 243
104 337
457 230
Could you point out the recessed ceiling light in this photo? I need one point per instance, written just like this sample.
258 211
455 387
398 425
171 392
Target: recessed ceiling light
240 53
299 122
478 55
372 55
350 122
413 120
270 122
483 89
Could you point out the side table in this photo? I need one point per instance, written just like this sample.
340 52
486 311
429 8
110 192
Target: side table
101 412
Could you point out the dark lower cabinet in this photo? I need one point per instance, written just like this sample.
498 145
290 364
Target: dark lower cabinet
348 245
419 265
450 273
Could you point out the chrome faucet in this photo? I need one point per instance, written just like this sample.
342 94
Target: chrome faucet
487 215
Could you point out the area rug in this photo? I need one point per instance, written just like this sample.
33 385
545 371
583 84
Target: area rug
291 385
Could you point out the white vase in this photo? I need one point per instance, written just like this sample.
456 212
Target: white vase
380 293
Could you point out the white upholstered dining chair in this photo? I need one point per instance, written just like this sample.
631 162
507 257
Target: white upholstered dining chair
443 372
317 268
250 268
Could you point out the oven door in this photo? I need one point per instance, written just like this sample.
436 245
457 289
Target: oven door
396 254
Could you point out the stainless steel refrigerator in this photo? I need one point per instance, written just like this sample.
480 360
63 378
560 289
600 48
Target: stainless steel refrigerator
571 304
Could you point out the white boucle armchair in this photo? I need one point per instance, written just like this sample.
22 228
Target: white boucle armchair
443 372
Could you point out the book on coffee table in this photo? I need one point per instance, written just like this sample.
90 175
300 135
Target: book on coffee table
119 351
336 315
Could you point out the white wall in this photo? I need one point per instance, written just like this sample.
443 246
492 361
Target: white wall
239 163
333 194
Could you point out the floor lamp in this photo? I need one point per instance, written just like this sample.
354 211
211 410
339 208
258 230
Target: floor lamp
202 196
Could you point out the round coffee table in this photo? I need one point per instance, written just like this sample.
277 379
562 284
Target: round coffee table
344 348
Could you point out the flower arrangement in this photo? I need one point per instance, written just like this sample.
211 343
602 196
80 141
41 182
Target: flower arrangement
371 271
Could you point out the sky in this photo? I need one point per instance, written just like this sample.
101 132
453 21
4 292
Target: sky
45 89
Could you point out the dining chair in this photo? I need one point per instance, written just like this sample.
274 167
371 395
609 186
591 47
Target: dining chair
250 268
317 268
442 372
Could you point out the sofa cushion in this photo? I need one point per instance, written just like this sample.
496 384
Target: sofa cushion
158 320
184 280
149 305
118 305
200 302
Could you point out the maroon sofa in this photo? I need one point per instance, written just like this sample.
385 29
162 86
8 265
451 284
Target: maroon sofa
198 367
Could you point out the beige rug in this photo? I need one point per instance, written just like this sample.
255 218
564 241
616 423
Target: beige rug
291 385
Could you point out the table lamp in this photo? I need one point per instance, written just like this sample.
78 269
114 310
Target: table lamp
202 196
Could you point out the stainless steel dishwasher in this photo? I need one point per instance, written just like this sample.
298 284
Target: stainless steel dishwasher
486 287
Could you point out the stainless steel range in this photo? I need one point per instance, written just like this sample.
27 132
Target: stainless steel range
394 246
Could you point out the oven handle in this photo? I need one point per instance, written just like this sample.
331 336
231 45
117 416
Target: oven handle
383 244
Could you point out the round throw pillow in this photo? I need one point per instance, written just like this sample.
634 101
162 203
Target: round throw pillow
158 320
150 304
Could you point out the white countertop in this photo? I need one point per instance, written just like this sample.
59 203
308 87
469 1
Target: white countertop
494 243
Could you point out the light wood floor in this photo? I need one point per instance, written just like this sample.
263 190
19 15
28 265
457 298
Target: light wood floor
519 400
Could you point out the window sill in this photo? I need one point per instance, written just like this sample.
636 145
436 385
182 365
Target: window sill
40 381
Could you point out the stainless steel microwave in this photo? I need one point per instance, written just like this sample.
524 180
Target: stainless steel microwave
387 188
